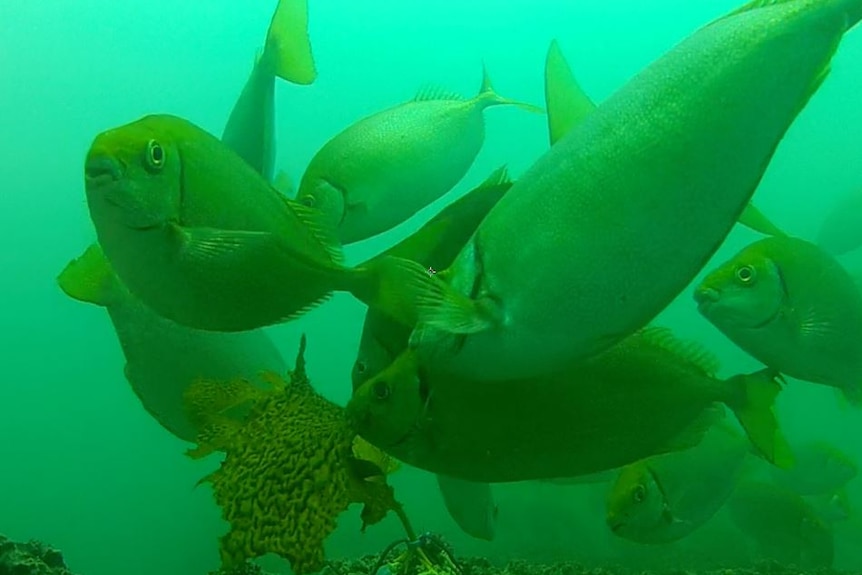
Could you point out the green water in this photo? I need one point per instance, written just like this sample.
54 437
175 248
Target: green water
85 468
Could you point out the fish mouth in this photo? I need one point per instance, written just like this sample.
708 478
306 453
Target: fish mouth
705 297
100 170
615 525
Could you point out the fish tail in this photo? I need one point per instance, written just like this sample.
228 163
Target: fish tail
287 52
753 399
410 294
89 278
488 97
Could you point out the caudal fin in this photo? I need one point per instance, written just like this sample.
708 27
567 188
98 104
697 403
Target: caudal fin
753 402
487 96
410 294
89 278
288 47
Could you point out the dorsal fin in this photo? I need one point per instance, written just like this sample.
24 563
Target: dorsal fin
314 221
498 177
431 93
687 350
753 5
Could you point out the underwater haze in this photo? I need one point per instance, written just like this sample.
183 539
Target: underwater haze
84 467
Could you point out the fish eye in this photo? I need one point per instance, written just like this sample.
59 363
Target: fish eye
745 274
360 366
307 201
381 390
639 494
155 155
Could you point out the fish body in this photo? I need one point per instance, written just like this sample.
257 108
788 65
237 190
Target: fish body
819 468
784 526
164 359
791 306
649 394
665 498
841 230
386 167
639 189
471 505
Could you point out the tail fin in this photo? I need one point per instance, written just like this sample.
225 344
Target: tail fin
288 47
487 96
566 102
753 401
410 294
89 278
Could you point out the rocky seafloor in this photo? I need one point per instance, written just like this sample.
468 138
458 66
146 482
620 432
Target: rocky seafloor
36 558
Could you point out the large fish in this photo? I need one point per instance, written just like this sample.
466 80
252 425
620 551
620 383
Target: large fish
793 307
611 224
651 393
203 239
249 130
385 168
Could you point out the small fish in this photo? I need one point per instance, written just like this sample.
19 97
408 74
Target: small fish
199 236
819 468
287 54
652 393
383 169
793 307
841 230
164 359
665 498
782 524
599 235
471 505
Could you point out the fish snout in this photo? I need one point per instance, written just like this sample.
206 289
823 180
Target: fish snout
706 296
100 169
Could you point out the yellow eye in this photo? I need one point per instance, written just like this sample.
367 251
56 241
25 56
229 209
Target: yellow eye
155 155
746 274
307 201
639 494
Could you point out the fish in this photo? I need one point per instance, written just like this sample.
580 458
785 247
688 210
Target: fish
287 54
819 468
164 359
471 505
199 236
384 168
782 524
791 306
667 497
520 301
652 393
434 246
841 230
